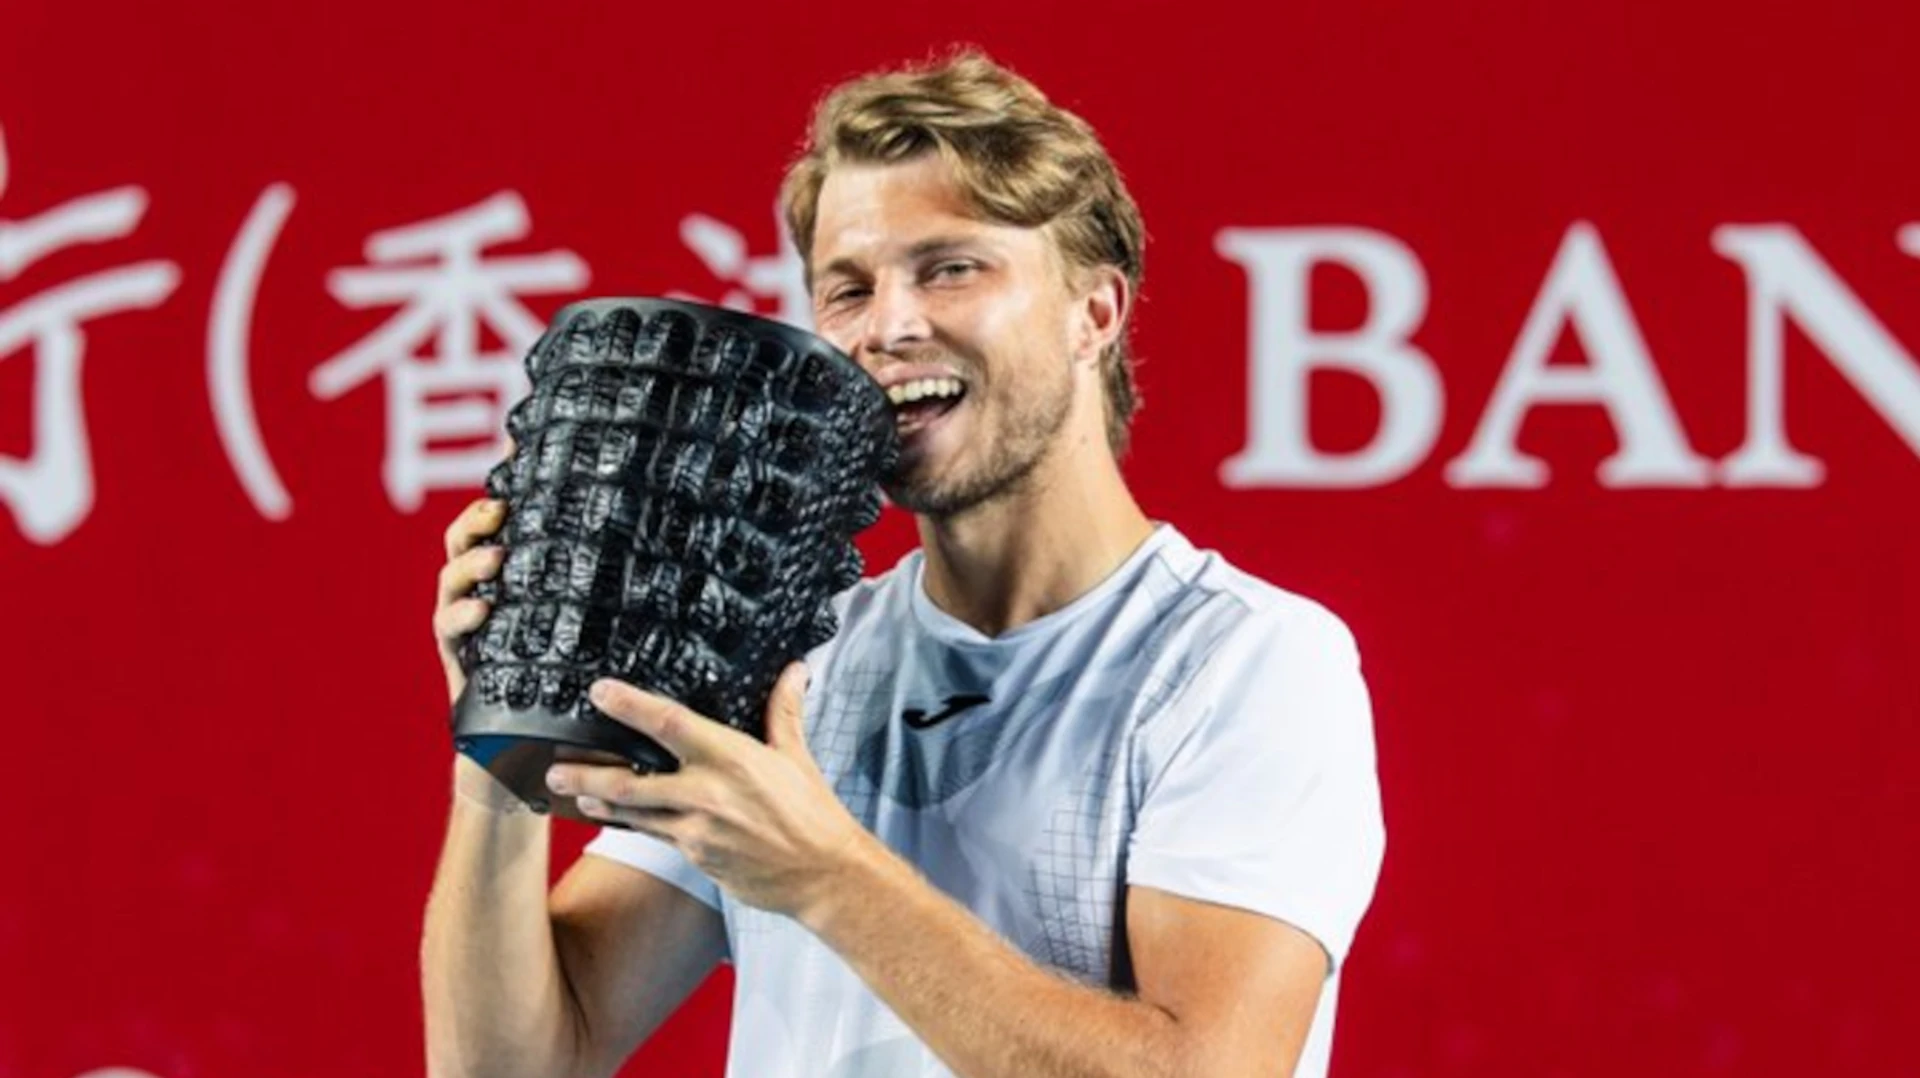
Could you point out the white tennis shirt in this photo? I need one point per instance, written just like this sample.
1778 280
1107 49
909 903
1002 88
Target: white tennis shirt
1182 726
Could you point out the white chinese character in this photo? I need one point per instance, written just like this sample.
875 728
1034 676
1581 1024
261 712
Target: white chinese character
51 491
778 279
459 393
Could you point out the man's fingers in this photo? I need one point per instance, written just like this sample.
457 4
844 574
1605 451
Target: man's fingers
459 618
479 519
674 792
662 824
682 731
458 576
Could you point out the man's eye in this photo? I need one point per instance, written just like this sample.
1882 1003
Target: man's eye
947 271
842 295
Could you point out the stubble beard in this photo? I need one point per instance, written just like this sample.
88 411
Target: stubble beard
1027 434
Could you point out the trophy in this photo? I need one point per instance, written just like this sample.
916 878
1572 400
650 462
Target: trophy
682 497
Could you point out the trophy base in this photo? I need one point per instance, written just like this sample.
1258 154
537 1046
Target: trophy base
517 745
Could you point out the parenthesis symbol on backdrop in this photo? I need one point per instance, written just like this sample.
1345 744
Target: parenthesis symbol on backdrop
229 329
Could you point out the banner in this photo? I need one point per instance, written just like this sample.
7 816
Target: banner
1568 352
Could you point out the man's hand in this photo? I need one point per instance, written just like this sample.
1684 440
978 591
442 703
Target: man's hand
456 612
758 819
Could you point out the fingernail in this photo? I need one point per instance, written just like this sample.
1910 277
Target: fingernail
599 692
557 779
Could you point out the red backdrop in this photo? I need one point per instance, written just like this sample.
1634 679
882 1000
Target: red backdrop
1648 730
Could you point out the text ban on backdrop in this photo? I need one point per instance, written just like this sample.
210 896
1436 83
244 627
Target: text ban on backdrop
1786 279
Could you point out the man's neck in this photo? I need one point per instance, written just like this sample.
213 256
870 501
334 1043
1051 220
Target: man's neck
1032 551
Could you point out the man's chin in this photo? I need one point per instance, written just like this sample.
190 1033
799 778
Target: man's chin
917 497
947 496
921 494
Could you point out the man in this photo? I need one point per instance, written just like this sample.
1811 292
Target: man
1064 796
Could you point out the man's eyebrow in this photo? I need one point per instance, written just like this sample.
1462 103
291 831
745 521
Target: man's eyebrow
839 267
927 248
938 245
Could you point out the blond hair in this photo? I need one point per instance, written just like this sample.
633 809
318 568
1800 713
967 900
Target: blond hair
1019 160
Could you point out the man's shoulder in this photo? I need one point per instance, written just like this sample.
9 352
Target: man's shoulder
1231 607
1265 670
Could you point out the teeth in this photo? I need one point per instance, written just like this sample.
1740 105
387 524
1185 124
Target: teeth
921 388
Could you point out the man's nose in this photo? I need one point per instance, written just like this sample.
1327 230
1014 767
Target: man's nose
896 318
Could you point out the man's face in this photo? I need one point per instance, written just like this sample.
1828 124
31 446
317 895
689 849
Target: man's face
966 323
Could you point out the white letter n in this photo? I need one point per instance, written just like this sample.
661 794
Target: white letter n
1786 278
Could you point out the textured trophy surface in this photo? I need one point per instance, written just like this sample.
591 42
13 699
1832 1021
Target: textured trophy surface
682 498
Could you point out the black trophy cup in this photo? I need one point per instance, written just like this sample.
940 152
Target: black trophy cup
682 498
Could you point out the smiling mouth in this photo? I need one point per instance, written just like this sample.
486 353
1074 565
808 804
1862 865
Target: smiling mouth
919 403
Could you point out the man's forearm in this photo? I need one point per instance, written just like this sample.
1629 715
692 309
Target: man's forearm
496 999
984 1007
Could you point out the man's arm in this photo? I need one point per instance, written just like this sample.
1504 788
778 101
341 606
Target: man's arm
1222 992
517 981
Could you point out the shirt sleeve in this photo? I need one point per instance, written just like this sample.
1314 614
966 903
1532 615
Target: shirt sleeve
655 858
1260 787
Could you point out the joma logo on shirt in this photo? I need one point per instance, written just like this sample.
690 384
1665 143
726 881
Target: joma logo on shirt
918 719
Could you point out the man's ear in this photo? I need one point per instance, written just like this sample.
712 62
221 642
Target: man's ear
1103 298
